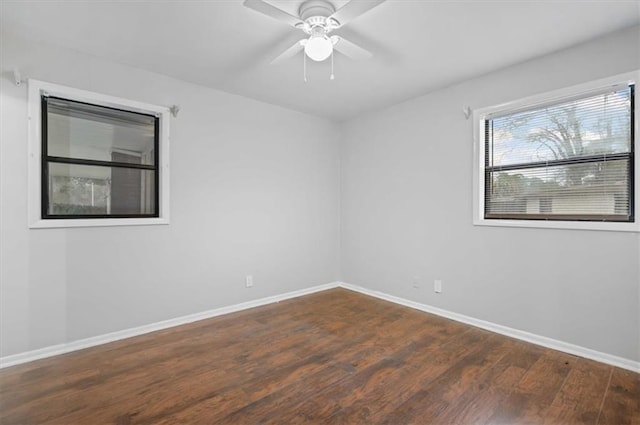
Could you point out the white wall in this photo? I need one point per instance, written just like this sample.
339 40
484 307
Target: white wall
407 211
254 190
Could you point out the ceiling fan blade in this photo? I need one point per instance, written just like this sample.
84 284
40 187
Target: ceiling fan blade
290 52
353 9
349 49
272 11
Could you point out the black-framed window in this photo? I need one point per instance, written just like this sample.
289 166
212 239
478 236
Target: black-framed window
98 161
570 160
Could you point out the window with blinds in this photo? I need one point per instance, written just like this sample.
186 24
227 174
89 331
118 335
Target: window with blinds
98 161
569 160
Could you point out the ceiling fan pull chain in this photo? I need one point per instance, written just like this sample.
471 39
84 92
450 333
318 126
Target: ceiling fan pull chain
332 77
304 66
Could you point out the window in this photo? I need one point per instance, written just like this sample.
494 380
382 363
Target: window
98 160
559 160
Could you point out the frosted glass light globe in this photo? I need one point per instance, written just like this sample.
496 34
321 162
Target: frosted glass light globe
318 47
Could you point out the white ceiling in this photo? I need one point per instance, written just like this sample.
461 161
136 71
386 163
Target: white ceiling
418 45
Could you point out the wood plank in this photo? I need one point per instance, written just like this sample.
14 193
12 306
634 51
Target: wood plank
532 397
434 398
320 404
580 398
622 402
477 404
343 363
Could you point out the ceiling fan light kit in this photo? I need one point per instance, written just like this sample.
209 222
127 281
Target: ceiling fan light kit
318 18
318 47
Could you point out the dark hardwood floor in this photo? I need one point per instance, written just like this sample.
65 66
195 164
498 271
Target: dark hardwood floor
333 357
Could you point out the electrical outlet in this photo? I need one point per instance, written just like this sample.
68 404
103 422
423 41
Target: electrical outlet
437 286
248 281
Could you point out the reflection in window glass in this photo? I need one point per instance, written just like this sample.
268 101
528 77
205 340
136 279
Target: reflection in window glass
96 190
98 161
79 130
595 125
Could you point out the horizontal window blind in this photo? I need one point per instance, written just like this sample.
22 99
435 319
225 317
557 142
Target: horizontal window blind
98 161
570 160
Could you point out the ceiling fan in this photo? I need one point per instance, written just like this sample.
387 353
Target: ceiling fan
317 19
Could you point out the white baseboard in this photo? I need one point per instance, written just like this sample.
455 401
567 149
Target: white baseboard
503 330
55 350
554 344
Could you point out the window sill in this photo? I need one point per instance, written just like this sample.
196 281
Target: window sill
568 225
98 222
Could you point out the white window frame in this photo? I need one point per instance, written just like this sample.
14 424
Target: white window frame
481 114
36 90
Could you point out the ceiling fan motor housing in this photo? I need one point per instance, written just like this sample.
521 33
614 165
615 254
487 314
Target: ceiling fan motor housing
315 13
